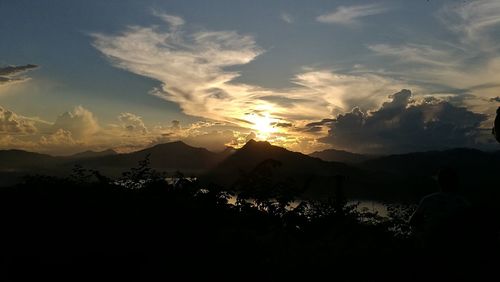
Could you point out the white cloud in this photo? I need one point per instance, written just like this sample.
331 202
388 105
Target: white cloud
58 139
476 22
350 15
78 130
192 70
11 123
343 92
466 64
80 122
173 21
286 17
132 123
191 67
417 53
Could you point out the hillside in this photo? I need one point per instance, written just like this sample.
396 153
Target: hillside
165 157
477 170
93 154
169 157
333 155
312 176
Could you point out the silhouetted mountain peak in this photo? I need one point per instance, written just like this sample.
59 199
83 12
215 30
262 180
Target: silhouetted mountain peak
257 145
175 145
93 154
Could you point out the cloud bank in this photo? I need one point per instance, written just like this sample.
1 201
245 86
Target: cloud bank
193 70
11 123
403 125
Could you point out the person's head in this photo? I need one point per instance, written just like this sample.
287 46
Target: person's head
448 179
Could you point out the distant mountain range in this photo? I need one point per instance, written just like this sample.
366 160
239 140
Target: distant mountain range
393 177
164 157
167 157
333 155
93 154
309 175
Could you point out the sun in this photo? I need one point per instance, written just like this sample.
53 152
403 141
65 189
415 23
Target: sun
263 124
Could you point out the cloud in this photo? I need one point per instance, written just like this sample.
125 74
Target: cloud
11 123
495 99
466 63
78 130
192 70
10 74
286 17
172 20
14 142
416 53
176 125
58 139
405 124
132 123
80 122
476 22
250 136
350 15
342 92
196 70
325 121
213 140
190 67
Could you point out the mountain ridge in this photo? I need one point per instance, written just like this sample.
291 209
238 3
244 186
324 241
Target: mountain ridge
341 156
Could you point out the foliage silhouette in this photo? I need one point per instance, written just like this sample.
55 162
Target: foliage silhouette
144 227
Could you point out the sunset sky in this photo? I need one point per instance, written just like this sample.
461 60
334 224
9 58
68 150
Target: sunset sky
363 76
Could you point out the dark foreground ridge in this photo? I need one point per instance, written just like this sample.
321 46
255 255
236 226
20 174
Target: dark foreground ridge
140 227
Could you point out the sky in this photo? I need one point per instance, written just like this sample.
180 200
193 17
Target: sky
362 76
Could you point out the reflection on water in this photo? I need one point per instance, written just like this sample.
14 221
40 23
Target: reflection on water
362 206
371 206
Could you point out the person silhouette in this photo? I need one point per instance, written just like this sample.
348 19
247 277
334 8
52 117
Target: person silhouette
496 126
440 229
438 210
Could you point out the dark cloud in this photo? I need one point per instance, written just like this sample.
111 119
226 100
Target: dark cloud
314 129
404 125
282 124
325 121
9 73
176 125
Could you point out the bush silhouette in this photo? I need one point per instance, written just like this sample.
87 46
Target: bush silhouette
141 227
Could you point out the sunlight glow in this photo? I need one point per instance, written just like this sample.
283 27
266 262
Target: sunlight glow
263 124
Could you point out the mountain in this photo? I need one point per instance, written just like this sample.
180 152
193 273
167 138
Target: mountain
15 164
169 157
428 163
164 157
477 171
20 160
93 154
403 177
333 155
312 176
